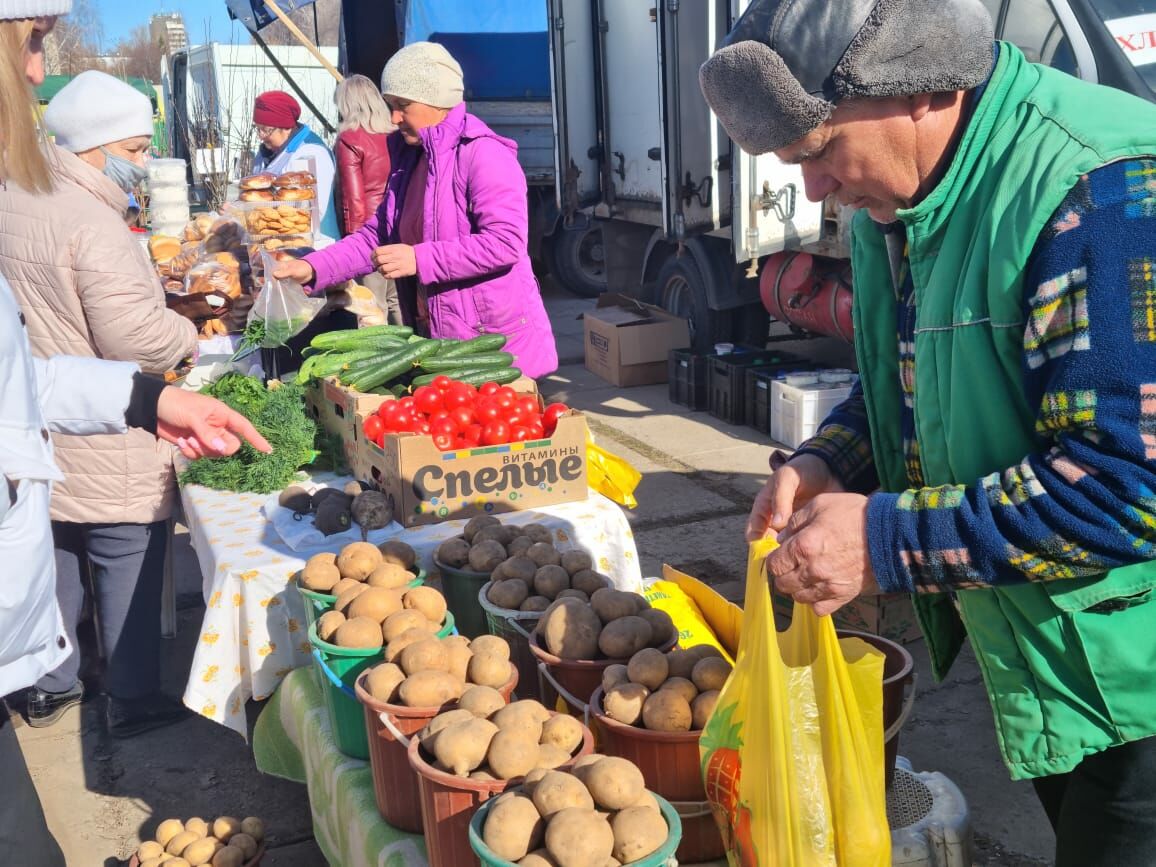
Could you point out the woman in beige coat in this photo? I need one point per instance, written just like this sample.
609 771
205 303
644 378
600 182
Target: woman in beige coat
86 288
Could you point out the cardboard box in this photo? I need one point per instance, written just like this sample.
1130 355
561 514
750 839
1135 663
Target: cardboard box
336 407
627 341
890 615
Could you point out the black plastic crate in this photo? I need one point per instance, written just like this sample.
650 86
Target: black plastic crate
686 371
758 405
727 379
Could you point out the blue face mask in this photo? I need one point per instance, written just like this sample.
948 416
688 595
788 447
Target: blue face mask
124 173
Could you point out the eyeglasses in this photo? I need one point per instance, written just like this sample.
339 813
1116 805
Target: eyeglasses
263 131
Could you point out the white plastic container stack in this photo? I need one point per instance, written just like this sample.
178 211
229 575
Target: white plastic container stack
168 197
800 402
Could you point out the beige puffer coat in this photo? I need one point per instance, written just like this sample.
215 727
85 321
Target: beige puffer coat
86 287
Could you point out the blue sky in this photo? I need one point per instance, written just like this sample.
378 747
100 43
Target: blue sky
204 19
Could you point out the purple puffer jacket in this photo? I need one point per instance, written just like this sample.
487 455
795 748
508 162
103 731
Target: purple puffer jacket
474 260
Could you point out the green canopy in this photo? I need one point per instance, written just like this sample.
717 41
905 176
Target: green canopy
53 84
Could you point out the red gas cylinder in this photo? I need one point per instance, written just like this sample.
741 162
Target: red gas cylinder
809 292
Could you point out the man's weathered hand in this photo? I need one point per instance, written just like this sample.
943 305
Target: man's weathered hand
791 486
822 559
395 261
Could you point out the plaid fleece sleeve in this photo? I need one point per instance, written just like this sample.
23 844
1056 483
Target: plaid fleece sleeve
1086 501
843 441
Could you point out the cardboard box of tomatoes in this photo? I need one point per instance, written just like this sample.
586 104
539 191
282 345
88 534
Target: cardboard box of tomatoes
453 451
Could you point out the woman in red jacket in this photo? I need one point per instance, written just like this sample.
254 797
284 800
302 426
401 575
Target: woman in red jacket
363 168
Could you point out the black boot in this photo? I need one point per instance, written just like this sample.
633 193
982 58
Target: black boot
127 718
45 708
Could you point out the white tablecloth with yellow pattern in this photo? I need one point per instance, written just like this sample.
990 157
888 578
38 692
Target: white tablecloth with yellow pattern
253 632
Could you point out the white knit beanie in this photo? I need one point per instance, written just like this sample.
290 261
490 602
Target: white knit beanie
95 109
11 10
423 72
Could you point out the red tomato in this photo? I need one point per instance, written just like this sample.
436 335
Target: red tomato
441 383
373 427
428 399
550 416
421 426
515 417
443 442
528 405
504 397
506 391
407 403
380 440
520 433
486 410
473 435
488 388
462 417
443 426
458 394
537 431
389 410
403 420
495 433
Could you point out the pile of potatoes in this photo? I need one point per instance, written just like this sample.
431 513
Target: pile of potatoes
369 617
360 564
486 739
665 692
422 670
614 624
599 815
225 842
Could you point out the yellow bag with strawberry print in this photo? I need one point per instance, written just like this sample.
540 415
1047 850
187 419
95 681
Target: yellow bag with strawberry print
792 757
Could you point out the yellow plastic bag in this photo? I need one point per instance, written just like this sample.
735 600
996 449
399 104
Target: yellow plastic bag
692 625
793 756
610 475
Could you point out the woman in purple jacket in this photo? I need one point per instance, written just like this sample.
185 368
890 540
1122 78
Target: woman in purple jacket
452 228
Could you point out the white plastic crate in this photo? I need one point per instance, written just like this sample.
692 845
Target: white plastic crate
800 402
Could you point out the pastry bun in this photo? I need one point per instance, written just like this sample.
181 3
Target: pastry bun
257 195
164 247
294 194
262 181
294 179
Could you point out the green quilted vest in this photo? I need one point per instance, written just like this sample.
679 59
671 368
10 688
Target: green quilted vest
1069 665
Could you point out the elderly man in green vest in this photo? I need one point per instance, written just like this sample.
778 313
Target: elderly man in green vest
999 457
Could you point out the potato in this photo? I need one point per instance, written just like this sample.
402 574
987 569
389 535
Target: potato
358 632
394 649
320 577
376 603
551 756
624 637
538 533
661 624
462 747
710 673
482 701
513 827
550 580
576 561
538 858
589 581
511 755
197 825
638 831
535 603
625 701
485 556
390 576
246 842
613 675
544 554
557 791
571 593
702 707
403 621
570 629
510 593
681 663
519 545
344 585
648 801
705 651
488 669
399 553
453 552
426 655
230 856
526 716
175 862
149 849
615 783
682 686
177 845
202 851
610 604
346 598
327 625
577 837
648 667
522 568
327 557
428 735
381 683
583 765
491 644
225 827
155 862
475 524
428 601
532 779
358 559
499 534
168 829
429 689
564 732
482 774
460 656
459 640
666 711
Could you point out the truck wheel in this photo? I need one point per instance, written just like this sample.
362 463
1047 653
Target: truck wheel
576 257
680 289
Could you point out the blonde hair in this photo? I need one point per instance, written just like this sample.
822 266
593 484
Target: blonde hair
360 105
22 159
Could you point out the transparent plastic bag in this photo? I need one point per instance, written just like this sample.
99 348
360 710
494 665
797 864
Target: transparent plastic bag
281 311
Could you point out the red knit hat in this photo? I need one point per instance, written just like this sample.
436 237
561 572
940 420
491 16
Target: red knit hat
277 109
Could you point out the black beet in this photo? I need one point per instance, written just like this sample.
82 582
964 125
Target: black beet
372 511
333 515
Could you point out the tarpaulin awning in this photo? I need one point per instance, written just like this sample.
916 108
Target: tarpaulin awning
255 14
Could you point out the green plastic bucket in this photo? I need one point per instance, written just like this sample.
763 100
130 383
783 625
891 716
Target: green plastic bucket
515 627
339 668
317 604
460 588
662 857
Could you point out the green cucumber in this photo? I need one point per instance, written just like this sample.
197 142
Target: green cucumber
329 338
473 376
441 364
474 346
352 344
392 367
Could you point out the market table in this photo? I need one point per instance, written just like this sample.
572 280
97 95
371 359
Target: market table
253 632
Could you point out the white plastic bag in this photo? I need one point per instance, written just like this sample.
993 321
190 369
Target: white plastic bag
282 307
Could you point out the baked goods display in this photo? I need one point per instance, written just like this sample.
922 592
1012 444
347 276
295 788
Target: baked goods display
294 194
263 181
283 219
294 179
164 248
257 196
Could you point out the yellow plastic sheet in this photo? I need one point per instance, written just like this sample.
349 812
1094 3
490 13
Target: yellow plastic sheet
793 756
610 475
692 624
